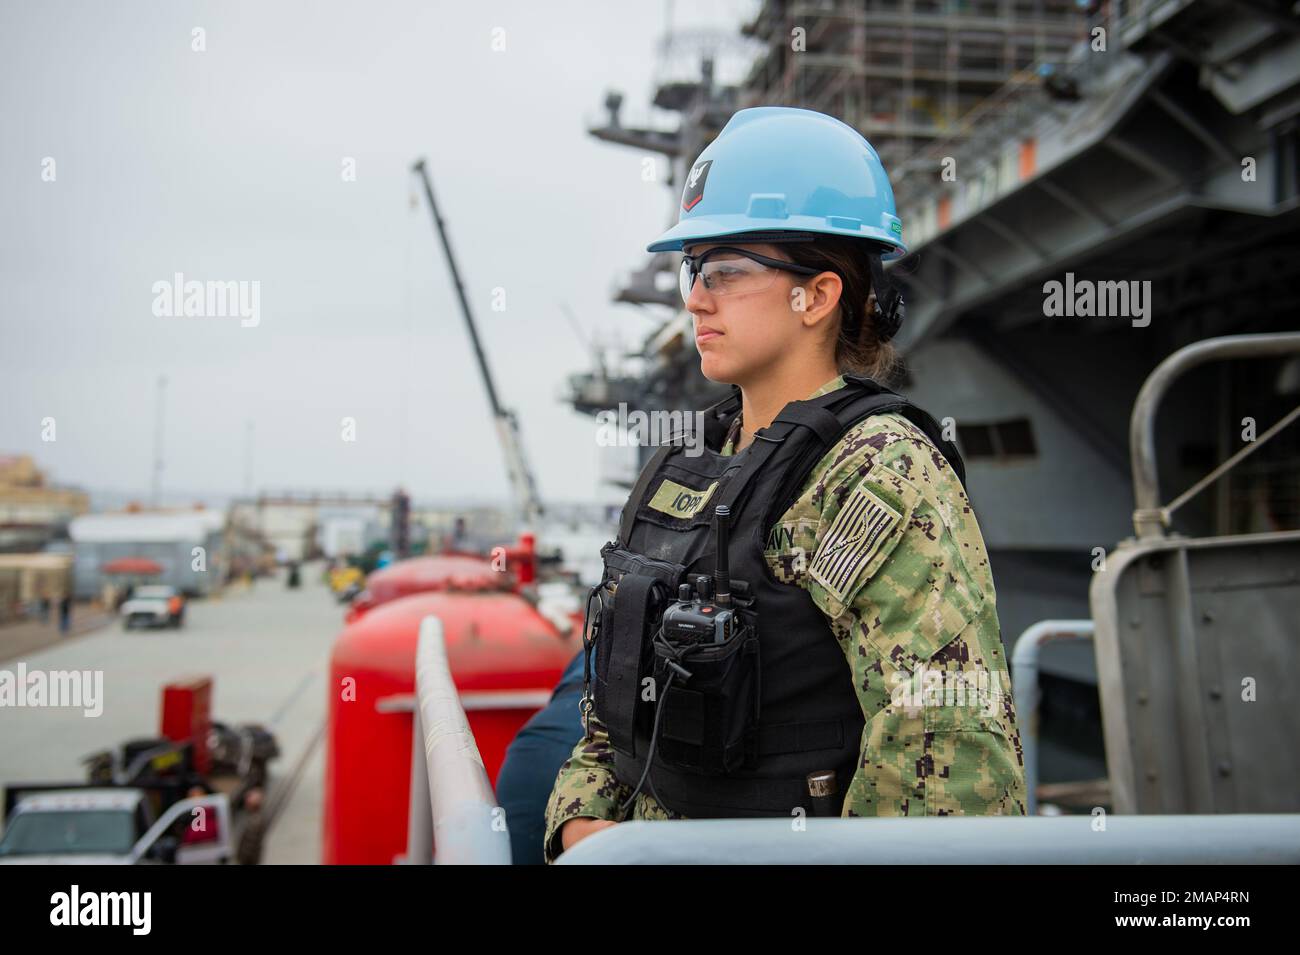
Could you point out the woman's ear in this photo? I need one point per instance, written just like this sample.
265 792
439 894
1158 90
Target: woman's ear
817 298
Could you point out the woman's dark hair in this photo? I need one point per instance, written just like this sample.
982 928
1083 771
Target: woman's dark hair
858 347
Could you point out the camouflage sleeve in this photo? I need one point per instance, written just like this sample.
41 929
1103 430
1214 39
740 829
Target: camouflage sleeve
886 543
584 787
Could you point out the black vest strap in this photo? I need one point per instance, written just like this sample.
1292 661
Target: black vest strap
758 453
628 519
631 610
766 440
825 424
718 417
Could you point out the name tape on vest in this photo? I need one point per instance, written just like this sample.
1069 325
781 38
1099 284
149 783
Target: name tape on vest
856 535
679 500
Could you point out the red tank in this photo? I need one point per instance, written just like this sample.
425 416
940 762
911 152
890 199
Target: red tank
450 570
505 659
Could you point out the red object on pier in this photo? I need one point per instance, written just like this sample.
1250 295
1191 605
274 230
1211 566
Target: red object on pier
505 659
187 717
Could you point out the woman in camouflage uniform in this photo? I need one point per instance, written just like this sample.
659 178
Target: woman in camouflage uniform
914 615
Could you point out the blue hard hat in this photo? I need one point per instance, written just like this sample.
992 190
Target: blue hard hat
777 169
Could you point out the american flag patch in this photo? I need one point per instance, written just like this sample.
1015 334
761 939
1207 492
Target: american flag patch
856 535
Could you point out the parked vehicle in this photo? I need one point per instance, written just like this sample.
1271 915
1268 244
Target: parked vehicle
115 826
195 755
154 605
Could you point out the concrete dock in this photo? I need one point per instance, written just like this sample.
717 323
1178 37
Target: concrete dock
267 650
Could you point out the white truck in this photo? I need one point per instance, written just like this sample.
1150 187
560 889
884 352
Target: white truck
153 605
115 826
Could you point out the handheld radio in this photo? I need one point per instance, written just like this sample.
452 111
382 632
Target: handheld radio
705 614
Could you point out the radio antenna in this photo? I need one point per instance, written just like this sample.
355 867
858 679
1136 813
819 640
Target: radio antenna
721 565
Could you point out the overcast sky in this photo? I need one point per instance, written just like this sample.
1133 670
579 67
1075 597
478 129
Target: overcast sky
228 165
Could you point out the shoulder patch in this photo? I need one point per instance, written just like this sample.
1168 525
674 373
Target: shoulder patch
861 528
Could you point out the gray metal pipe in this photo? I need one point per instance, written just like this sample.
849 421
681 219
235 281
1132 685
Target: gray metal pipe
468 825
1142 441
1016 840
1024 688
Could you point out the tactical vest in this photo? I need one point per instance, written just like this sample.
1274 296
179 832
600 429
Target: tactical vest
740 738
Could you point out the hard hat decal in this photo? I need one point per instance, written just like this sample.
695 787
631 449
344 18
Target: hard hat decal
694 190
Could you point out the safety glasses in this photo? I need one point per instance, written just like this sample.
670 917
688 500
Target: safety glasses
730 271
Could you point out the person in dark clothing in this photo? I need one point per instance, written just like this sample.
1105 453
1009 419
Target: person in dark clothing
65 613
532 761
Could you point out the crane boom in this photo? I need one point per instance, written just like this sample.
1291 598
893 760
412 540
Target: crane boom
522 482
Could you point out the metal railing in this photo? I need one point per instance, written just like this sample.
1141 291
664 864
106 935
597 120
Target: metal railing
454 817
1025 690
1099 838
1150 518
